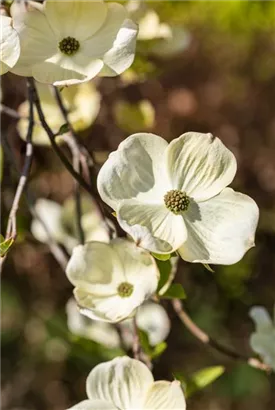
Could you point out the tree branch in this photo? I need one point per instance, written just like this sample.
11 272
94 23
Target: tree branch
85 157
11 227
55 146
55 248
206 339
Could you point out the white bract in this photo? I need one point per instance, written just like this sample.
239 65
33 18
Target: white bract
173 197
111 280
9 45
262 341
125 384
67 42
98 331
82 102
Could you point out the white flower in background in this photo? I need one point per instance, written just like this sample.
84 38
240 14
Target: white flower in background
82 102
173 196
262 341
178 41
100 332
9 45
125 383
49 222
111 280
152 319
166 40
60 222
67 42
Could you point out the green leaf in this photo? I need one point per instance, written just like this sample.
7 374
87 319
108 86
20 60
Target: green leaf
63 129
144 342
161 257
175 291
202 378
5 245
158 350
165 268
208 268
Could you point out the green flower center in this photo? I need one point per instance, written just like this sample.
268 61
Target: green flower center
69 46
125 289
176 201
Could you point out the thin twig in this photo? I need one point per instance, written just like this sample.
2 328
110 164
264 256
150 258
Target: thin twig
206 339
11 228
12 113
136 343
84 157
72 142
55 248
55 146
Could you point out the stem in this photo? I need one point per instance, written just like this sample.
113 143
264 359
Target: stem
55 248
85 158
136 343
55 146
11 227
206 339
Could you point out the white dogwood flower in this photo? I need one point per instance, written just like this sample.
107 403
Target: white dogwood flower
262 341
9 45
173 196
124 384
111 280
71 41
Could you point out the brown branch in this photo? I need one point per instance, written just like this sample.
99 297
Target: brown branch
136 343
11 227
83 158
55 146
206 339
55 248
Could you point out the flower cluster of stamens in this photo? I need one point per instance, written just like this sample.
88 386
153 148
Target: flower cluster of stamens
176 201
125 289
69 46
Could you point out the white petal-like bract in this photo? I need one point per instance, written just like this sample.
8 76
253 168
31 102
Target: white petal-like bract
111 280
72 41
9 45
174 197
125 383
262 341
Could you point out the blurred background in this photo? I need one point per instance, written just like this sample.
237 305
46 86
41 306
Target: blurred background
200 66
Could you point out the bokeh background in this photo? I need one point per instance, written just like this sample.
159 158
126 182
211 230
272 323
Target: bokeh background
220 78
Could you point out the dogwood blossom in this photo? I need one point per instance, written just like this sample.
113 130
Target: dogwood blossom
262 341
111 280
67 42
125 383
82 102
9 45
173 197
